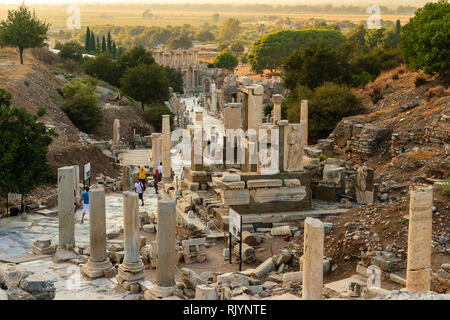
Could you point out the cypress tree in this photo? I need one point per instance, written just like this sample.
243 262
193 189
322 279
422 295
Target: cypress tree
398 27
92 45
87 45
98 47
114 50
108 43
103 44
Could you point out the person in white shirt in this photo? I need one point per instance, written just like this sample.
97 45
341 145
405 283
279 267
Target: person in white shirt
160 169
139 188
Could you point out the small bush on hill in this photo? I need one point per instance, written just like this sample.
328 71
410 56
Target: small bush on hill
81 105
154 113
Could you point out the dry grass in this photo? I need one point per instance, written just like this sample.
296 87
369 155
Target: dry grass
424 155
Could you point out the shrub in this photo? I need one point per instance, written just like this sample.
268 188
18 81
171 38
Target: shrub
226 60
154 112
267 110
361 79
327 105
71 50
5 98
81 105
41 112
105 68
42 54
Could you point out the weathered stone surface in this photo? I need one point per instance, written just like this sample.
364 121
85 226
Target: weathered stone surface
206 292
264 268
191 279
40 287
313 259
296 276
15 293
11 275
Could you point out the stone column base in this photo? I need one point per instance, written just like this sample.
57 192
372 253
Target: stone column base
130 273
62 255
158 292
96 269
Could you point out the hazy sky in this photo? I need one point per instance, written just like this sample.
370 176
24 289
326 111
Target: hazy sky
274 2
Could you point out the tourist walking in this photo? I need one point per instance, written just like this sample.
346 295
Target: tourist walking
139 188
142 176
85 200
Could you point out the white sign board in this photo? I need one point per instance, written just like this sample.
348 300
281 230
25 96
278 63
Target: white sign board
87 171
235 224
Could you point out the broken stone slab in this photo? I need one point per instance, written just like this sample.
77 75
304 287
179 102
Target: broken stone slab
38 286
149 228
48 212
296 276
11 275
191 279
284 257
3 295
15 293
206 292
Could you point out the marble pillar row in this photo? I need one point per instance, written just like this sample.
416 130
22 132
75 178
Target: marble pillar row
304 119
418 267
166 160
98 261
167 255
156 149
131 270
313 259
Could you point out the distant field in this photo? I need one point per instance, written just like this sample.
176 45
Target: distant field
132 16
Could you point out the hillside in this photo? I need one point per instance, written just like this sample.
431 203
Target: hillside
36 84
405 137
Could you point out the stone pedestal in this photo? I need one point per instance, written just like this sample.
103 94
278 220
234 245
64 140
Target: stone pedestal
313 259
277 99
167 256
66 214
304 119
418 269
126 178
166 160
98 261
132 269
156 149
116 132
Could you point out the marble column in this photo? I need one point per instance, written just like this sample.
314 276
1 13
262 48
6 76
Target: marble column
166 160
66 214
167 255
313 259
277 99
418 268
116 132
304 119
132 269
156 149
66 208
98 261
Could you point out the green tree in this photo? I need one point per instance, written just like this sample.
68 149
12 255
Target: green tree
134 57
270 51
313 66
180 42
229 29
204 36
81 104
236 47
5 98
23 151
23 29
154 112
114 49
425 39
175 78
71 50
98 47
92 45
358 35
226 60
87 45
109 43
105 68
103 44
328 104
146 84
374 37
